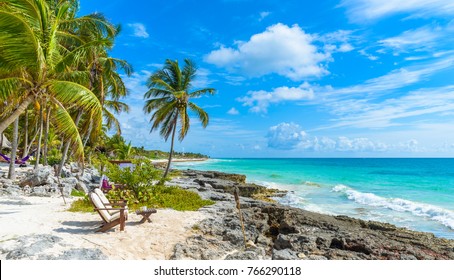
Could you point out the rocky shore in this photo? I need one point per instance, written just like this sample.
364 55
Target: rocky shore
278 232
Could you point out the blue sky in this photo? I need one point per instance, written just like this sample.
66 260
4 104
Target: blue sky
335 78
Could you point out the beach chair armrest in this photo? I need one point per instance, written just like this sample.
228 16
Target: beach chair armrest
119 200
96 209
115 204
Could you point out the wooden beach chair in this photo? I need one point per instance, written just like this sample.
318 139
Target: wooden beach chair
111 203
110 220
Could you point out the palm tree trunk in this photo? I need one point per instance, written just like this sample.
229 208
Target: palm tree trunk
12 171
24 153
22 107
66 148
33 139
46 137
40 138
87 137
171 150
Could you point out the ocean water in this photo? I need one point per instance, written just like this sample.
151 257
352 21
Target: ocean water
414 193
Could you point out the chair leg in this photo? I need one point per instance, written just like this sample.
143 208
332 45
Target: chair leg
108 226
122 220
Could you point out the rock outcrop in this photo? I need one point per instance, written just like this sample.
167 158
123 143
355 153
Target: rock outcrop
279 232
42 182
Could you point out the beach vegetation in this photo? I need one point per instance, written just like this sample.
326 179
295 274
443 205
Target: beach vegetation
154 196
81 205
77 193
168 100
141 185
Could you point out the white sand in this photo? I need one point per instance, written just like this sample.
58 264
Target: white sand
154 240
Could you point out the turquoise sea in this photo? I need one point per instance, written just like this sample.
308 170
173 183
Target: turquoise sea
414 193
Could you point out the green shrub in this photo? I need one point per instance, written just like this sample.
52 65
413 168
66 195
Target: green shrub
178 199
81 205
134 179
159 196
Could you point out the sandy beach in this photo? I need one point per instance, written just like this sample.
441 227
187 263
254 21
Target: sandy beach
22 218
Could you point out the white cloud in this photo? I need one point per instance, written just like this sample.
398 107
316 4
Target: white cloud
362 10
136 84
139 30
233 111
409 146
280 49
290 136
398 78
368 55
285 136
202 78
394 111
423 38
259 101
263 15
338 41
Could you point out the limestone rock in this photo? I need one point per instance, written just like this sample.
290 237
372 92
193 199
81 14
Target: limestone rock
80 186
79 254
285 254
37 177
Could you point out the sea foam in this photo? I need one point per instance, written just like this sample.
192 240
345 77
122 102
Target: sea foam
435 213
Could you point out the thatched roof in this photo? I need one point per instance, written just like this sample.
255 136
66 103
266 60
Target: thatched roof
4 143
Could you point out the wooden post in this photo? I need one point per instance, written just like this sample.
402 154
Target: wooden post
237 200
60 187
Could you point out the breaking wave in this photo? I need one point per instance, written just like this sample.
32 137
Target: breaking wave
435 213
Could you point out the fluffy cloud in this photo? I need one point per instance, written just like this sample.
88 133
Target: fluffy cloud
285 136
259 101
280 49
338 41
360 10
139 30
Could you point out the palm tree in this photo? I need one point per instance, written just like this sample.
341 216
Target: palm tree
168 99
39 50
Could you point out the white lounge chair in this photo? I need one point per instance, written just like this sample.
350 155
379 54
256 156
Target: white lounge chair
110 220
109 204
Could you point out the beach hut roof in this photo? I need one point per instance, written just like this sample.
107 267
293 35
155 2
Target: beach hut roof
4 142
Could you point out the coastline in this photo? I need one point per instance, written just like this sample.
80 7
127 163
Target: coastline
276 231
273 231
414 194
179 160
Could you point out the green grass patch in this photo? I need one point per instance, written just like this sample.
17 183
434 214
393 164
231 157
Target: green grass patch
81 205
157 196
178 199
77 193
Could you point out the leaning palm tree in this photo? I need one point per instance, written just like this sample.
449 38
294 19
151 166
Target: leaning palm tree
168 99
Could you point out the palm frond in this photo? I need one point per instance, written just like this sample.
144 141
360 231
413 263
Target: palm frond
18 44
111 121
116 106
67 128
10 86
201 92
201 114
